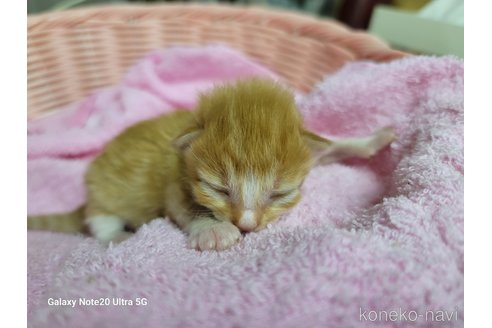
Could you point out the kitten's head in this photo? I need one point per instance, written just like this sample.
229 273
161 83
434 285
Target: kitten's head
248 154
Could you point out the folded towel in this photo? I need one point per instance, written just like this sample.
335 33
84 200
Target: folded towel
368 237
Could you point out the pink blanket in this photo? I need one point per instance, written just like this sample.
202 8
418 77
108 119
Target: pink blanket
368 238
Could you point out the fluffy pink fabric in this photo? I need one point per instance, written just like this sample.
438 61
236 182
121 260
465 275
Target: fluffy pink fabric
378 235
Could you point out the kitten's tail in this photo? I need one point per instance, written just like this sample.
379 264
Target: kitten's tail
71 222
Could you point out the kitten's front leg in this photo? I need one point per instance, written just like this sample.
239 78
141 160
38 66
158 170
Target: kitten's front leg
210 234
204 231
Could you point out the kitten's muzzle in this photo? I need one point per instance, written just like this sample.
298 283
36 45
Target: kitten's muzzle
247 222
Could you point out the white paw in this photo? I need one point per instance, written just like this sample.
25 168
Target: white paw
213 235
382 138
105 227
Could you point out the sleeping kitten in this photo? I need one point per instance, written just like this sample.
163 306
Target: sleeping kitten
235 164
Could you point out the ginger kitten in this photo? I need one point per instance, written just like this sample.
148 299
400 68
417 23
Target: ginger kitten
235 164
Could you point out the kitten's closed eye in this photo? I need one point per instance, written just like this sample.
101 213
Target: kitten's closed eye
215 188
277 195
222 191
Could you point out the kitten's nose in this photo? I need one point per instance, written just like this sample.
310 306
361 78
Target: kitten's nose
247 222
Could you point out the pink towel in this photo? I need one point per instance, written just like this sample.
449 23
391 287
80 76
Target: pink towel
368 238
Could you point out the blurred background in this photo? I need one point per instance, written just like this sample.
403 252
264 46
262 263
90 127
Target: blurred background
418 26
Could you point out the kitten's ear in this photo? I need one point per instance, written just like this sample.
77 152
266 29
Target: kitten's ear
184 140
319 146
